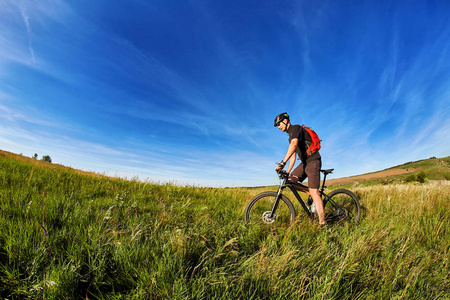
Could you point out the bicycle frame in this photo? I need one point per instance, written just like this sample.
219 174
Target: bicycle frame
291 185
339 204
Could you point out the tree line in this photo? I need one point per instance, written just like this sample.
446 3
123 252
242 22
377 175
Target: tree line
45 158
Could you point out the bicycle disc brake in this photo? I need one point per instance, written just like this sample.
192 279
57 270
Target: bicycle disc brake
339 214
266 217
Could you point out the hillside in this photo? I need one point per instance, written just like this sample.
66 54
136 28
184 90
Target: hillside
68 234
35 162
433 168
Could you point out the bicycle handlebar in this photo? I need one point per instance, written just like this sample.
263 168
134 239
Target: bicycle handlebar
282 174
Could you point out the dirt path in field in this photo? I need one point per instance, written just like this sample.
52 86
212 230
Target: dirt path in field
375 175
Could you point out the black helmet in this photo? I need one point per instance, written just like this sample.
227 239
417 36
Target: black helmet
280 118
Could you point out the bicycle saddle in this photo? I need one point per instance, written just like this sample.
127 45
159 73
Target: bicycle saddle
328 171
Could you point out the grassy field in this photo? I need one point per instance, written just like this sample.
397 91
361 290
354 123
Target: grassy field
69 235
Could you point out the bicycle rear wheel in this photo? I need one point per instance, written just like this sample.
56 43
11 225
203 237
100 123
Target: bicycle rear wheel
259 208
342 206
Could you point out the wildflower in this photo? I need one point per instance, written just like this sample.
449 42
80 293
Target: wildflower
50 283
45 231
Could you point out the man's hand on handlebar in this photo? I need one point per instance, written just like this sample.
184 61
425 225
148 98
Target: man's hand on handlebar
279 169
283 174
280 166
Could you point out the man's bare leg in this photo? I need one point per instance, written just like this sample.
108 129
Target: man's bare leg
314 193
298 188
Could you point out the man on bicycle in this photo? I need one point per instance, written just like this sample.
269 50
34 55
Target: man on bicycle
310 165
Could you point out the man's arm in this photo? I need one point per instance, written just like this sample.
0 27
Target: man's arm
291 162
289 154
291 150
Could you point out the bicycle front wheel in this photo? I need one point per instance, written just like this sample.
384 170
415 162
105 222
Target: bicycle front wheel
259 209
342 206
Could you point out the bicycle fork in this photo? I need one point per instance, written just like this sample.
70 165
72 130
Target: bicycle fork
275 204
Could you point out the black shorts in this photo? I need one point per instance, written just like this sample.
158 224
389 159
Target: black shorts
310 170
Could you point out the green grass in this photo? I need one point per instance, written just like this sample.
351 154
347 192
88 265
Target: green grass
69 235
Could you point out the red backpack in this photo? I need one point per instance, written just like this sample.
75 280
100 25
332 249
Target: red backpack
315 141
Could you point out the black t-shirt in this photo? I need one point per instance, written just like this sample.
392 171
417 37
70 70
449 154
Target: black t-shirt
298 132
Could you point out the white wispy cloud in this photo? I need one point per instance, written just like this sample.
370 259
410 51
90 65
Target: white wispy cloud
37 12
23 12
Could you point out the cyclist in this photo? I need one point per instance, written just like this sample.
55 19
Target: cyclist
310 165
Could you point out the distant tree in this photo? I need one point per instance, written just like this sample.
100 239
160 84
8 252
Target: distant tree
46 158
410 178
421 177
35 156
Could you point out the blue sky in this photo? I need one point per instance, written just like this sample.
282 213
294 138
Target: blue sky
186 91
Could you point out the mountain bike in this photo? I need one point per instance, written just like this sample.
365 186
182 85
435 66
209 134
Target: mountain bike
341 205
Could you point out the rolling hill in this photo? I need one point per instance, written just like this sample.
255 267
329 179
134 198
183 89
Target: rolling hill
433 168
